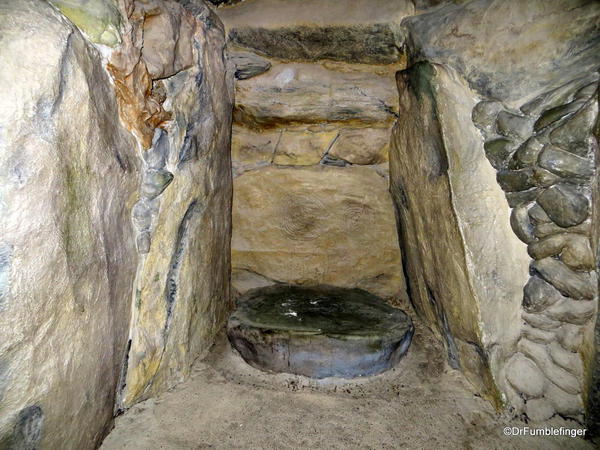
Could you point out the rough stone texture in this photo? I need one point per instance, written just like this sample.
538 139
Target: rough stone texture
251 149
319 331
98 19
317 225
79 197
539 294
68 175
363 31
563 403
564 205
511 50
303 147
565 164
554 373
309 93
555 221
324 116
572 336
578 285
574 249
158 45
362 145
536 115
181 294
539 409
525 376
524 72
248 64
445 191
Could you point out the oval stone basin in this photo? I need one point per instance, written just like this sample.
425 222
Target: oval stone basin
319 331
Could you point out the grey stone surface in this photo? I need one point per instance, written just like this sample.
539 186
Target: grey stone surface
555 374
541 322
571 311
565 205
515 199
155 181
248 64
539 294
565 164
513 125
510 51
563 402
484 116
570 337
543 229
539 409
550 116
551 84
521 223
537 335
370 43
498 151
527 153
515 180
545 178
525 376
574 250
568 360
319 331
573 134
69 174
560 95
538 215
578 285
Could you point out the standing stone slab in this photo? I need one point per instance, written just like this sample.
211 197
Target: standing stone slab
445 191
317 225
319 331
181 294
68 176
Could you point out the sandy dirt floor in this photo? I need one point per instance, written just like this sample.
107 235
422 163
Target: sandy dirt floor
421 404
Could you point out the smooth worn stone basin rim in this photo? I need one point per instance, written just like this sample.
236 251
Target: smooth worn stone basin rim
327 310
319 332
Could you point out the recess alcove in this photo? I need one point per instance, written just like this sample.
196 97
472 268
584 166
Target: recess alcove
319 332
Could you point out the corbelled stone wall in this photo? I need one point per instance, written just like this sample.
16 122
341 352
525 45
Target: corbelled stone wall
312 124
116 196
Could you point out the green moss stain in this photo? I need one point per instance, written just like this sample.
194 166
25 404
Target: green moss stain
344 313
138 298
77 227
100 20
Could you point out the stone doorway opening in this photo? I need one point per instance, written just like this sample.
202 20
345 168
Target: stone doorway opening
310 143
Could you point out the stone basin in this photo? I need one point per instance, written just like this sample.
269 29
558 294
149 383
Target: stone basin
319 332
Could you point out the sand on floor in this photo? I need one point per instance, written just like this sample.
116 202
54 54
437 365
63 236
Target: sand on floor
421 404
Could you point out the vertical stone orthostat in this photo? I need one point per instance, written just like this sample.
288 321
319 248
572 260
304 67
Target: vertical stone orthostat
182 219
463 262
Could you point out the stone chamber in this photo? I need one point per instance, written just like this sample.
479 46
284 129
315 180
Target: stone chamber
163 160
